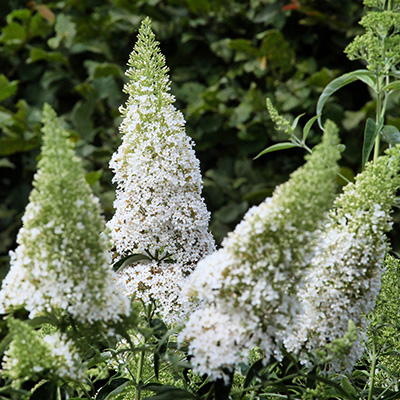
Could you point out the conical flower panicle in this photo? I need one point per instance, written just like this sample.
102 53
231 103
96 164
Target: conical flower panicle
148 72
33 356
252 279
61 263
345 272
159 210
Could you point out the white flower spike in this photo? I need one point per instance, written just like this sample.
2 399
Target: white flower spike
61 263
159 210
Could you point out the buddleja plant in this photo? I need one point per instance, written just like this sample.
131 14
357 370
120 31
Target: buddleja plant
344 276
160 225
61 264
60 273
248 287
378 48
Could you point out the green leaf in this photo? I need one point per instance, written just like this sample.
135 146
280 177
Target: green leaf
100 70
243 45
308 126
159 327
253 372
15 145
360 74
231 212
345 176
221 389
65 32
370 133
112 388
46 391
124 261
7 88
392 86
6 163
13 35
81 117
93 176
391 134
22 14
168 392
296 121
347 386
275 147
38 54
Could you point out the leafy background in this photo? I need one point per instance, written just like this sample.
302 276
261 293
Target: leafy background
225 58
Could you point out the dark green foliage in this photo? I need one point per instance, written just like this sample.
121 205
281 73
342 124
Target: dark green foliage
225 58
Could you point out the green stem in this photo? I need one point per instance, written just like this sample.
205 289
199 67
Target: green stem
83 389
149 310
372 371
139 374
378 117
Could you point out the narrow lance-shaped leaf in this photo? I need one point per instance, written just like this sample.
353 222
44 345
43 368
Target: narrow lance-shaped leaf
276 147
360 74
296 121
132 258
393 86
370 132
308 126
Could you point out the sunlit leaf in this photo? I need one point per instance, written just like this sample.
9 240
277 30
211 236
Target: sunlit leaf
276 147
361 74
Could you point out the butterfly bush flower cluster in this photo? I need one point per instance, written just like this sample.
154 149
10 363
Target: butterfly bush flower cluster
159 211
61 264
36 356
345 272
248 286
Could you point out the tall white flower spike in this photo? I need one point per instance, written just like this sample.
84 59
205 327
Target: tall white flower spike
159 211
252 280
61 263
345 273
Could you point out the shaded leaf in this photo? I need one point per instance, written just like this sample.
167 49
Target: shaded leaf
168 392
7 88
308 126
391 134
93 176
347 386
6 163
15 145
99 70
392 86
253 372
296 121
243 45
112 388
124 261
46 391
38 54
370 133
222 389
